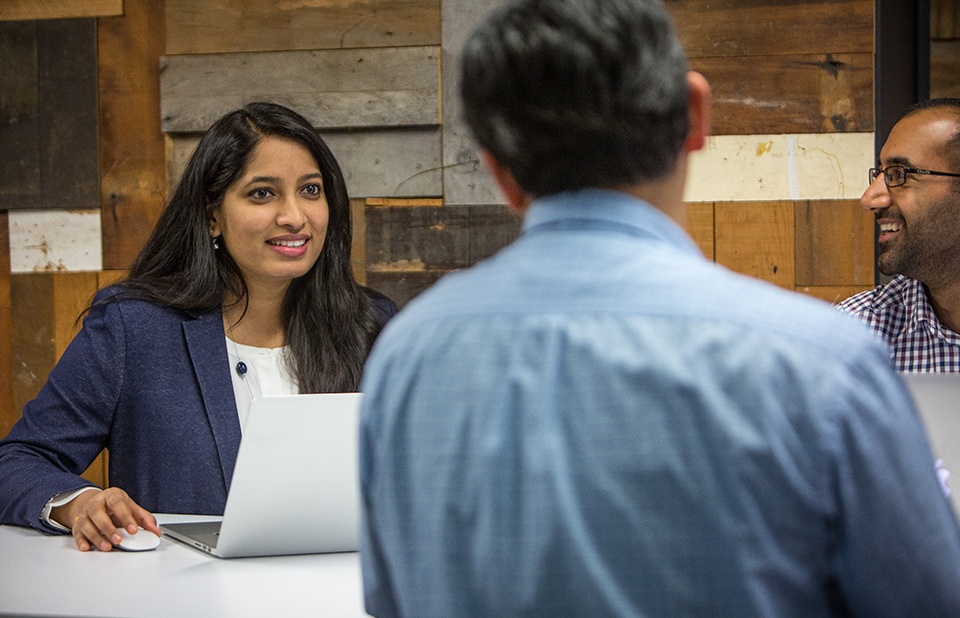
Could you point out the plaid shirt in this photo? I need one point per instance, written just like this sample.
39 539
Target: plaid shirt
901 313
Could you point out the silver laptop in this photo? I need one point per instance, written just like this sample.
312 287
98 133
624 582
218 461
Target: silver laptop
937 396
295 487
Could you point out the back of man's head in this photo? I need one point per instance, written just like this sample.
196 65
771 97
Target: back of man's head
570 94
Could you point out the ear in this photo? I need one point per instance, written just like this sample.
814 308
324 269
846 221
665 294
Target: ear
516 197
214 225
699 112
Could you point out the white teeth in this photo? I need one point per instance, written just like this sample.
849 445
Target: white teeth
288 243
889 227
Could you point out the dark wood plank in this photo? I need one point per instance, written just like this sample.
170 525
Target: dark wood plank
19 116
834 243
132 164
408 247
212 26
945 19
67 81
737 28
342 88
945 68
790 94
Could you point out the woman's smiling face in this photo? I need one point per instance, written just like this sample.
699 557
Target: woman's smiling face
273 220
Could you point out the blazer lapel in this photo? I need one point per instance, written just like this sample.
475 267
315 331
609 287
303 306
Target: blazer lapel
208 352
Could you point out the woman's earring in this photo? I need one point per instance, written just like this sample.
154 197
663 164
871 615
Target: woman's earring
216 245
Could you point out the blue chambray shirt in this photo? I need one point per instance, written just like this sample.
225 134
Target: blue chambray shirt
597 421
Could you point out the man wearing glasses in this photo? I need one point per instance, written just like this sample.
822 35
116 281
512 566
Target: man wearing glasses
915 195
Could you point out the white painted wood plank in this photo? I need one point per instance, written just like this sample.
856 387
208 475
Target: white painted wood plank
341 88
42 240
817 166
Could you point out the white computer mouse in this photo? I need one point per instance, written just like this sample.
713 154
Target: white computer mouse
141 541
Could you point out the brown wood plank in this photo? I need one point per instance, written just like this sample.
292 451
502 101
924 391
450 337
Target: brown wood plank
700 226
45 308
790 94
19 116
341 88
132 164
737 28
833 294
358 244
58 9
944 19
834 244
945 68
9 413
212 26
757 239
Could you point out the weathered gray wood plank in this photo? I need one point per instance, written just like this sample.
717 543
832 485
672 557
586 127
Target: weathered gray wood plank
465 181
375 163
334 89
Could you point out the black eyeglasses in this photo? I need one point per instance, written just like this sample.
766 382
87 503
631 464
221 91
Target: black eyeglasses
896 175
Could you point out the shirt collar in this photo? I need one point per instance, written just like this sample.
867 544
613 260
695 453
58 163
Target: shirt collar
913 296
609 206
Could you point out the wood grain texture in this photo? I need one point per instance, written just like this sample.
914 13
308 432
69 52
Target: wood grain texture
409 247
132 166
700 227
790 94
346 88
19 115
465 181
377 162
46 308
833 244
945 68
757 239
211 26
358 240
48 115
9 413
737 28
944 19
58 9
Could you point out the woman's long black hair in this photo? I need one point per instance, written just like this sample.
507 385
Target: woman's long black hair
330 321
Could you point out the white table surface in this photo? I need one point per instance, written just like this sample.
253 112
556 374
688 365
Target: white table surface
47 575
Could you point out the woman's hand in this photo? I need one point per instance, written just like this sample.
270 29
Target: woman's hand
95 516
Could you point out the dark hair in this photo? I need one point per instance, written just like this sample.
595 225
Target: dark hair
569 94
330 322
952 104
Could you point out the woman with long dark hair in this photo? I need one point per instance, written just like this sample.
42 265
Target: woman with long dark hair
243 289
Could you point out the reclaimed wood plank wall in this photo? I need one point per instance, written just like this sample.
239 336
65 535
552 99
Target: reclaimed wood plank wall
774 195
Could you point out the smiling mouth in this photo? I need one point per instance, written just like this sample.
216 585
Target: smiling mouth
287 243
889 227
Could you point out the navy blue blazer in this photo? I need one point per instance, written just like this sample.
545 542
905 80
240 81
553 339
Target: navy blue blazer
150 384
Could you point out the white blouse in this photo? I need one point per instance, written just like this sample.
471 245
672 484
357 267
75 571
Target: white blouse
266 374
